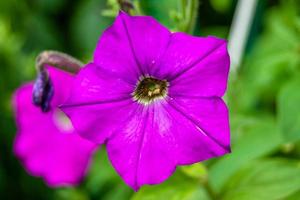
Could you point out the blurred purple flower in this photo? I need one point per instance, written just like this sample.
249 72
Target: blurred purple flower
154 97
46 143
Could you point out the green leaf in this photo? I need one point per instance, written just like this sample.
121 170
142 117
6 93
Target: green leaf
294 196
178 187
70 193
112 10
87 25
103 180
196 171
160 10
119 192
272 61
221 5
254 138
264 179
54 6
42 34
289 110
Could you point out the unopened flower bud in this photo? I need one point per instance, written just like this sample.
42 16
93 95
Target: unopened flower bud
42 91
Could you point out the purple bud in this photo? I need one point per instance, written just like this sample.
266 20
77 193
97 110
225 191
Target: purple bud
48 94
42 91
38 88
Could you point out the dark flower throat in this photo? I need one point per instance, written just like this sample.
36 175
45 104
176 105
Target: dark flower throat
149 89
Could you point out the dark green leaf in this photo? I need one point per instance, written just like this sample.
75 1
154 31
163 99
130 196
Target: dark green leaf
103 180
256 138
178 187
70 193
264 179
289 109
87 25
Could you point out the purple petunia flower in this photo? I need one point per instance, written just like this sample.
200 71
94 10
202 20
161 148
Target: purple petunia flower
154 98
48 146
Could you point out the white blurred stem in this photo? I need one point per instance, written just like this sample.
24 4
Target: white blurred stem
239 31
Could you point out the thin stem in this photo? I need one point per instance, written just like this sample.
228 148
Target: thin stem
126 6
210 191
239 31
183 4
59 60
188 13
193 11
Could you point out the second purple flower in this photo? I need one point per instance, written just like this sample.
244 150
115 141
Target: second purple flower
154 97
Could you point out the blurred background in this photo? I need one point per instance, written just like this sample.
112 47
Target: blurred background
263 97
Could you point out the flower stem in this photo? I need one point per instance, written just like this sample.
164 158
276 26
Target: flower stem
59 60
210 191
189 11
193 12
239 31
126 5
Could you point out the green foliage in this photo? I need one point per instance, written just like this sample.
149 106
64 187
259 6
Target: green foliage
264 179
103 180
161 10
196 171
70 193
289 109
272 61
255 138
178 187
221 5
87 24
185 17
294 196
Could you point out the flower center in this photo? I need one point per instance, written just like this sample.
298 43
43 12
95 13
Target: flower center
149 89
62 122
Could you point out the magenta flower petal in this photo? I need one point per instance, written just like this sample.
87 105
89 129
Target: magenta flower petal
131 46
96 84
143 150
48 147
152 142
206 128
154 97
99 104
195 66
